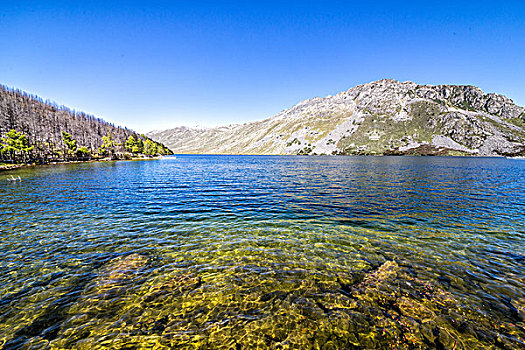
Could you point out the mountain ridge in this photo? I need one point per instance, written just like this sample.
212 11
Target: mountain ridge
380 117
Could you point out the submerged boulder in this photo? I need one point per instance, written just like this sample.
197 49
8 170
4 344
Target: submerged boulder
386 271
122 268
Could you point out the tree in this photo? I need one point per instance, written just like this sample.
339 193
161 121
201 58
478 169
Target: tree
70 142
139 147
83 152
16 144
150 148
8 148
108 146
131 144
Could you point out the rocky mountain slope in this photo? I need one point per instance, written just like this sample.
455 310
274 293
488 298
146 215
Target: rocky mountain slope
382 117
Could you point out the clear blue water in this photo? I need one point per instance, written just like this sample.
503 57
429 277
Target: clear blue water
264 252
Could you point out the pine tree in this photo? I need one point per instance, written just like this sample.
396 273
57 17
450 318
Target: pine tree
15 145
150 148
108 146
83 152
131 144
71 144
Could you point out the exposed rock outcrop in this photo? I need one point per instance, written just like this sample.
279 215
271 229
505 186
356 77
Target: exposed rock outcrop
382 117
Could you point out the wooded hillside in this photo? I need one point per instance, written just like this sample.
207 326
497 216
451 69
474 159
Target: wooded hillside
32 130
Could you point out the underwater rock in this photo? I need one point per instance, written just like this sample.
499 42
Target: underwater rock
391 307
385 271
115 276
519 305
414 309
113 279
101 300
46 323
174 286
122 268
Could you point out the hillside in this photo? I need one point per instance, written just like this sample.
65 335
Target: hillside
32 130
382 117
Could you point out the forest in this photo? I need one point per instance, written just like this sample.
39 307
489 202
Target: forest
34 131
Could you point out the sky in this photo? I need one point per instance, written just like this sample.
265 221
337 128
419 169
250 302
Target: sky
159 64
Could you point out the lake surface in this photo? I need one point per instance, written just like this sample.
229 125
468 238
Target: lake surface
264 252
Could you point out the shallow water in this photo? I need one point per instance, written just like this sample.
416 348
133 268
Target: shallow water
264 252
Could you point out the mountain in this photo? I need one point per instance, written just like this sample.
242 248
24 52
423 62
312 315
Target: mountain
32 130
382 117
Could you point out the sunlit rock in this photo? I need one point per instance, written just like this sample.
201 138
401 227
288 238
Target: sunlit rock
382 117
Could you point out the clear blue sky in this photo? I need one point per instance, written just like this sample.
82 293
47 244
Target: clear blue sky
151 65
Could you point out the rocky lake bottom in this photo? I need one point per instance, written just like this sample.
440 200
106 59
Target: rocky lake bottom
264 252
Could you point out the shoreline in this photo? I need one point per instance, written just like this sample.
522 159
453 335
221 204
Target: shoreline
7 167
349 155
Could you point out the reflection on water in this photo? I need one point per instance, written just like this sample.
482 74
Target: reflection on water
264 252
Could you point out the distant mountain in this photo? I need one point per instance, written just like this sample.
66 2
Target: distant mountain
382 117
34 130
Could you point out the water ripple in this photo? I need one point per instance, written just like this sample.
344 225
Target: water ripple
265 252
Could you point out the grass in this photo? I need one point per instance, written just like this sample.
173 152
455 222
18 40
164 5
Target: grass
507 130
393 134
517 121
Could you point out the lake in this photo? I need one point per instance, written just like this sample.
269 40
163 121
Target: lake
246 252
